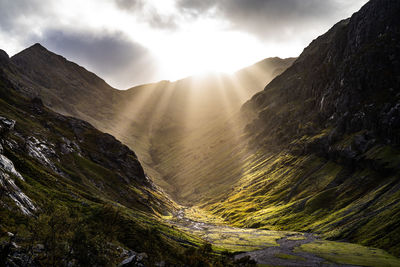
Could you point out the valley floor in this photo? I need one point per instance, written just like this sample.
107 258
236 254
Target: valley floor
277 248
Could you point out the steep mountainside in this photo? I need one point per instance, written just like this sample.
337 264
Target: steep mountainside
165 120
60 83
72 194
317 150
324 137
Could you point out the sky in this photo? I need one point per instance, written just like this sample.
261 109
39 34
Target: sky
131 42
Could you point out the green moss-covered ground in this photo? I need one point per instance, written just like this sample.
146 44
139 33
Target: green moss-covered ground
351 254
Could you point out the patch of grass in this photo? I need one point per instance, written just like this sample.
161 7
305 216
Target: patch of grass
235 240
311 193
296 238
346 253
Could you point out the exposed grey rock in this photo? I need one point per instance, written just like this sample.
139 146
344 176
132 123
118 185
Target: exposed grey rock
129 260
68 147
14 192
41 151
8 166
346 77
134 259
11 144
6 125
142 256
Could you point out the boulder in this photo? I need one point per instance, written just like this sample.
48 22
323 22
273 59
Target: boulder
134 259
6 125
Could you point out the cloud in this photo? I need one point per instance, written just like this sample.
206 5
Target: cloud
129 4
113 56
148 13
160 21
273 19
12 11
118 39
195 7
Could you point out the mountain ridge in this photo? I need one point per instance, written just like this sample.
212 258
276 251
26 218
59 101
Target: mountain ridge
324 136
319 149
65 185
141 115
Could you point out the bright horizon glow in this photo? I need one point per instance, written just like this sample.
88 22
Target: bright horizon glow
200 46
205 49
174 49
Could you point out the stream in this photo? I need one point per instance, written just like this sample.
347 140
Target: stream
266 247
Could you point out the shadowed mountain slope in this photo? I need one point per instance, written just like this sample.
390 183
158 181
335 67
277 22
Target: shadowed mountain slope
324 137
163 120
317 150
70 193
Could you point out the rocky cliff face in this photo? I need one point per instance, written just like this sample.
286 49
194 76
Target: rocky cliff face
62 176
8 173
63 145
347 79
324 137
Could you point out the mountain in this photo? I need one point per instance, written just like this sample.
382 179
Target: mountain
72 195
151 118
58 168
324 138
316 151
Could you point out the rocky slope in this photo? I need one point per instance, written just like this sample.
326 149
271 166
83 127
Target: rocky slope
165 120
63 85
320 148
72 195
324 137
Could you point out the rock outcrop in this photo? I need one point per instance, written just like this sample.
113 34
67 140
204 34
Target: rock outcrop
347 79
324 137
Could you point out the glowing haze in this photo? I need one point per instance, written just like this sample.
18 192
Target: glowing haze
128 42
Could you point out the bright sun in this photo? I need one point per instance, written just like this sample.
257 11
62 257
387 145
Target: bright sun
205 48
196 46
201 46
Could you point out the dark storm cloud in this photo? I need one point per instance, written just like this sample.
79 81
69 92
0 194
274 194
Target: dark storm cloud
110 55
277 19
10 11
147 14
123 62
119 60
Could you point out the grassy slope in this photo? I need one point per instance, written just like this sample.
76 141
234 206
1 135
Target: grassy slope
283 188
153 119
307 170
94 192
288 192
277 247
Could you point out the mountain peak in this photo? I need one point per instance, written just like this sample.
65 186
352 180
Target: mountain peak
36 53
37 46
4 56
36 49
